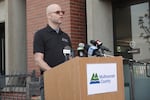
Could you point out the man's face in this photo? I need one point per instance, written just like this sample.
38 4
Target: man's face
56 15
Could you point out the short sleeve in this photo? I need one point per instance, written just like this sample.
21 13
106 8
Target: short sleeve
38 43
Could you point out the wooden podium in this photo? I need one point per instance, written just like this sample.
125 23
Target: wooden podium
68 81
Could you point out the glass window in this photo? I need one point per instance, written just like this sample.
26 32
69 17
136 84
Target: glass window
132 31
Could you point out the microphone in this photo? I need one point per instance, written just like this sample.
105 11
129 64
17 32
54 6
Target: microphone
105 48
92 50
67 52
93 42
99 45
80 50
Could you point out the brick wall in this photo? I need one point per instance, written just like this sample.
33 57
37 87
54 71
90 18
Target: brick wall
74 22
13 96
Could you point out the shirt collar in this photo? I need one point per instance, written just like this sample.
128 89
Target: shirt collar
49 28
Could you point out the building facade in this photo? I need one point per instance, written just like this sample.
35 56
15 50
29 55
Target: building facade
117 23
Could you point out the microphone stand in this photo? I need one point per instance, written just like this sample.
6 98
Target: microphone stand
103 54
66 57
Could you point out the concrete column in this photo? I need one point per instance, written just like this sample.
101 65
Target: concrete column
2 11
15 36
99 22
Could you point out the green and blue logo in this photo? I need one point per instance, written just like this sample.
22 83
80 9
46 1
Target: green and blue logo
94 79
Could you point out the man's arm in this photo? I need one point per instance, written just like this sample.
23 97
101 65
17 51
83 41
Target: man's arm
38 58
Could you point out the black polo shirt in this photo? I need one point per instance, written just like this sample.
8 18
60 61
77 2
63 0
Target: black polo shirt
51 44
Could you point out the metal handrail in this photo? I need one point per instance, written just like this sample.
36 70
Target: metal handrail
147 72
18 83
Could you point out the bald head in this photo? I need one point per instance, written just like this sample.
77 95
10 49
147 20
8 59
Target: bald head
54 15
52 8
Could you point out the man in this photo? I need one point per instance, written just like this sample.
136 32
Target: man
49 42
